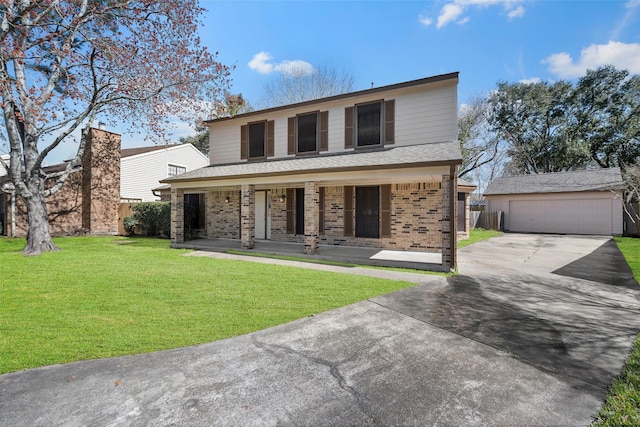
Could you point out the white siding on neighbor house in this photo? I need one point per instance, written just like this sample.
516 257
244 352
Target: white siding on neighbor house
141 173
597 212
424 114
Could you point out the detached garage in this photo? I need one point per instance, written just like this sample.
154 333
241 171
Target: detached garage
578 202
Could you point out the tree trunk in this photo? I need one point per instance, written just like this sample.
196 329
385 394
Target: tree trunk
38 236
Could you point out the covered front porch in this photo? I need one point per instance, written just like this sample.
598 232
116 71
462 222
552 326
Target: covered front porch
330 253
374 205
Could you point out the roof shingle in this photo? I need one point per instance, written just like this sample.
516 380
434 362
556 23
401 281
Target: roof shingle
420 155
558 182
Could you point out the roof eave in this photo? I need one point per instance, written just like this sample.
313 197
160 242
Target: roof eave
316 171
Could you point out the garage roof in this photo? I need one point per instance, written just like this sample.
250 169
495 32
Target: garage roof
558 182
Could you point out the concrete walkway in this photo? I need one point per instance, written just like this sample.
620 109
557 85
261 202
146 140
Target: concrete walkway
519 338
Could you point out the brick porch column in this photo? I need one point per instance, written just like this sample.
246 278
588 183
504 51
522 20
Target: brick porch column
177 215
449 233
311 218
248 216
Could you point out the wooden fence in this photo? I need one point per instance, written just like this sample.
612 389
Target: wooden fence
124 210
488 220
631 219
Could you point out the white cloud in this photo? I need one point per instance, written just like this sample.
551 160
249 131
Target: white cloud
424 20
297 67
451 11
620 55
516 13
531 80
261 62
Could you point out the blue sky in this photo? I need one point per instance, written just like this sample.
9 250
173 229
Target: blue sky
387 42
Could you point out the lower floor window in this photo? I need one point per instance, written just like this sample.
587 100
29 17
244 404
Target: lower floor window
369 209
368 212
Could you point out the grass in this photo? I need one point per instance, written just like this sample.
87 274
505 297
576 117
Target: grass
478 234
622 405
110 296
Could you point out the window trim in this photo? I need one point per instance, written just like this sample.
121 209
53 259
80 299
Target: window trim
297 145
264 142
357 145
384 211
387 125
322 133
174 165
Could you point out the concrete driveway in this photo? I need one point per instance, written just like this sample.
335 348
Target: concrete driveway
530 333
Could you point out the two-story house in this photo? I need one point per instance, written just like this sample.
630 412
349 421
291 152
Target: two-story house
374 168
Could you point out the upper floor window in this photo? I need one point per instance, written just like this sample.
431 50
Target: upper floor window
256 140
308 133
370 124
175 170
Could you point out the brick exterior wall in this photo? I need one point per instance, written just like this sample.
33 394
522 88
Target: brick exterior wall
88 200
223 218
416 218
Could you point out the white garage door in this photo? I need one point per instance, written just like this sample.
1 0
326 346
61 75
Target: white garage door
589 216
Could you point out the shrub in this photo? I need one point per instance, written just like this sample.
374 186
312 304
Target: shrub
154 218
129 224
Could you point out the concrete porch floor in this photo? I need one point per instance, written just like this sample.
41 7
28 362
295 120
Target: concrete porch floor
344 254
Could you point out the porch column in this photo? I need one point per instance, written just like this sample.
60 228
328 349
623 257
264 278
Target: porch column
177 215
311 218
248 216
449 233
467 208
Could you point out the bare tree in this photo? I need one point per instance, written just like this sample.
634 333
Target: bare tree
298 85
63 62
230 106
479 144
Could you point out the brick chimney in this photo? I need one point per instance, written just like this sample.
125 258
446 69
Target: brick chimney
101 181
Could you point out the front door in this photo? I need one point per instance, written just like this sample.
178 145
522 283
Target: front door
263 215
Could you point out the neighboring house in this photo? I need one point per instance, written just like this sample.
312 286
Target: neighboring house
106 176
88 200
375 168
142 168
579 202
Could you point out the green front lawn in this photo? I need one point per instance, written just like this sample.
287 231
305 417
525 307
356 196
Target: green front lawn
110 296
622 406
478 234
